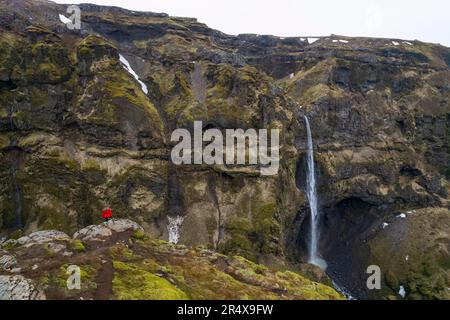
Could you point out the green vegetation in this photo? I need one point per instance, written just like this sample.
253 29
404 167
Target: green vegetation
77 245
139 235
133 283
250 238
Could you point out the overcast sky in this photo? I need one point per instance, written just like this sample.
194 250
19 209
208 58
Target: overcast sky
405 19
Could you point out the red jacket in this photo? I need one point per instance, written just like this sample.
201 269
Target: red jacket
106 213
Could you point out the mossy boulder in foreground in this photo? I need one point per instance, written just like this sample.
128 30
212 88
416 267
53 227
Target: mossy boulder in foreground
125 263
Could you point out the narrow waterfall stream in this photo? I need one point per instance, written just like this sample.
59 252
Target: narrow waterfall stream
174 227
314 257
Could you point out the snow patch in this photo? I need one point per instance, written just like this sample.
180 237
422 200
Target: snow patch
64 19
385 224
401 215
340 40
291 76
127 67
395 43
408 43
407 258
312 40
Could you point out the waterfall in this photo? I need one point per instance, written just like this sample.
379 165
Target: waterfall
312 199
174 227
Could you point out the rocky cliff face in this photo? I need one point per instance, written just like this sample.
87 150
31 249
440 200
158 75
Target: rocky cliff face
78 132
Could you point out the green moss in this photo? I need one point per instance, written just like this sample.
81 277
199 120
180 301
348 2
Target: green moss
87 277
139 235
133 283
77 245
49 73
141 44
47 61
238 230
9 245
45 279
4 141
90 164
120 88
121 252
202 281
257 268
251 238
11 45
306 289
48 251
93 41
16 234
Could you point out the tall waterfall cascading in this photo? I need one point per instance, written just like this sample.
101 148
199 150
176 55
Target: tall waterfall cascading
312 199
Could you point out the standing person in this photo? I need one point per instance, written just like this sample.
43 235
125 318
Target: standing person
107 214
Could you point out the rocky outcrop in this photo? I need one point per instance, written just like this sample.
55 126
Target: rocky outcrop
124 263
106 230
7 263
43 237
18 288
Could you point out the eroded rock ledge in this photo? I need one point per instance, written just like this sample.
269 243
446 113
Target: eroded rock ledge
119 261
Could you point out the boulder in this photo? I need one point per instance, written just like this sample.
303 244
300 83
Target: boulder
43 237
122 225
19 288
105 230
7 262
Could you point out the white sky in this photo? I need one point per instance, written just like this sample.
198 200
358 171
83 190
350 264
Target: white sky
405 19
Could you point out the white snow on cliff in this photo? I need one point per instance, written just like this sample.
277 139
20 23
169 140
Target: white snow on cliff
127 67
64 19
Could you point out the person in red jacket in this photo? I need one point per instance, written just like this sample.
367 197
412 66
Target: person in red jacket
107 214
